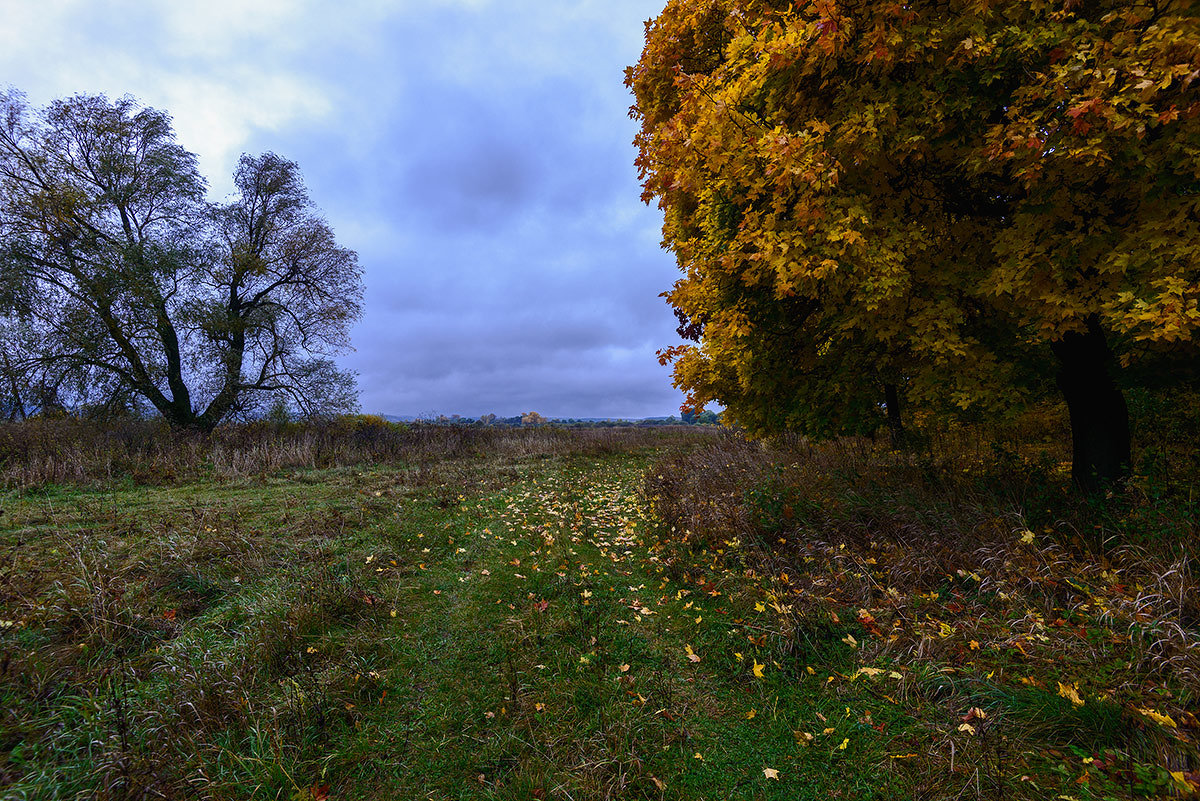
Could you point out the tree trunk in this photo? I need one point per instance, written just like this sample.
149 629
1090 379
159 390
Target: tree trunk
1100 442
891 395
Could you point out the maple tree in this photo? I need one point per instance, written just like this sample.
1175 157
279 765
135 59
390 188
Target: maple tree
120 281
949 202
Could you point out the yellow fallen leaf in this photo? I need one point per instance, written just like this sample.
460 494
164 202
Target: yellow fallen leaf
758 669
845 743
967 727
1070 692
849 640
1183 782
692 655
738 656
759 607
697 755
771 773
750 715
624 668
1027 537
1157 717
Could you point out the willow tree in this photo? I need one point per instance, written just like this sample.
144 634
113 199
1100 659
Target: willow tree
136 286
953 198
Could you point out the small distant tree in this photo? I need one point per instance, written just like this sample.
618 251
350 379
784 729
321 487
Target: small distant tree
134 284
533 419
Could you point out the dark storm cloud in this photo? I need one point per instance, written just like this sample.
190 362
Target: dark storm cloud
476 155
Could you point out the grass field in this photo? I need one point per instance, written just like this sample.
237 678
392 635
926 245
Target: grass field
580 615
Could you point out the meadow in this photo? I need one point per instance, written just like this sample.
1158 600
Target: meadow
364 610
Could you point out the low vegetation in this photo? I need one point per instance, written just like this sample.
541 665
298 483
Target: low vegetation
362 610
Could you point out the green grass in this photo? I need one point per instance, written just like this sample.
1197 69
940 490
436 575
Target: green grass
497 627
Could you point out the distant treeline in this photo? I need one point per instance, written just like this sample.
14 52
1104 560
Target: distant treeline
705 418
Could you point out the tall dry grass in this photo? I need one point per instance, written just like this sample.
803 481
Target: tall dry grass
37 453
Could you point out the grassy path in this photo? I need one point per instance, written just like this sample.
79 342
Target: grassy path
542 650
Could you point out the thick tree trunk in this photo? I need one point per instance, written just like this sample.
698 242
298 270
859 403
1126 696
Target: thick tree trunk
891 396
1100 442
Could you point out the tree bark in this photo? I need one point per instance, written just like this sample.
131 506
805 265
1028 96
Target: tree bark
891 395
1100 440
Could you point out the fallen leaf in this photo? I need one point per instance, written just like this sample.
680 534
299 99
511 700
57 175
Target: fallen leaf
771 773
1071 693
1157 717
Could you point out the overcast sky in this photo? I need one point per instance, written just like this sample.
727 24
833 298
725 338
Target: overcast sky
476 154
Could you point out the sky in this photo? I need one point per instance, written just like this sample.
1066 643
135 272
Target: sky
475 153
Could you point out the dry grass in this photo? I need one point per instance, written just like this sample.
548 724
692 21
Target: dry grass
43 452
985 579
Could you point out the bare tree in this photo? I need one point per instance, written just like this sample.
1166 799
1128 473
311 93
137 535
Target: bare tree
137 284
